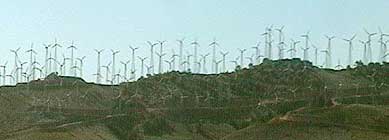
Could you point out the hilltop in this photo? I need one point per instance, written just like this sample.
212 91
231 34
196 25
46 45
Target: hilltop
282 99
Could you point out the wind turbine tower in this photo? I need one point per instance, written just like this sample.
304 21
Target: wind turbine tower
142 60
213 45
306 36
113 63
81 60
350 47
257 52
55 46
269 31
133 49
72 48
369 50
16 59
161 46
46 58
293 50
383 47
195 46
365 59
160 69
329 62
280 34
98 73
3 74
316 53
32 52
180 57
152 45
125 64
224 54
204 59
241 56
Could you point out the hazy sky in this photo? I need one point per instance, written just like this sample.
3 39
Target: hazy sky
235 24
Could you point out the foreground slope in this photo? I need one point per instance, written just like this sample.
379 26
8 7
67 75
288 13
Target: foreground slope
269 101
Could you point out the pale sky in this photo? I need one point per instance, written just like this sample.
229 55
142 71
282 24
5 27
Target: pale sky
235 24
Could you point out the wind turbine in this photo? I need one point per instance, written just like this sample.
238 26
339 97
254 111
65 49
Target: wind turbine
149 69
316 53
64 64
327 57
113 63
265 35
339 65
72 48
204 59
292 49
4 68
107 72
329 61
41 74
213 44
98 73
250 58
98 76
21 69
152 45
133 49
306 36
280 34
217 66
198 64
195 46
55 46
180 58
75 68
125 64
33 66
170 64
161 46
369 50
224 54
46 58
350 44
241 56
12 79
81 60
188 56
18 72
118 76
383 47
60 68
257 52
235 62
173 59
32 52
305 53
281 50
26 77
365 59
183 64
142 60
16 59
49 60
160 69
269 41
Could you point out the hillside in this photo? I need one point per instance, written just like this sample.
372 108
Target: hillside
283 99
